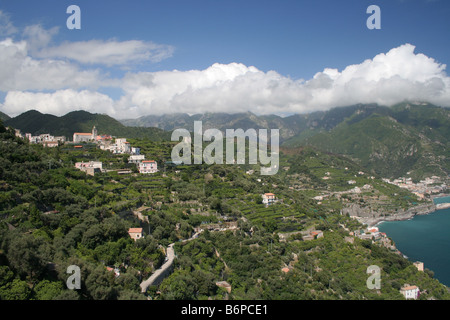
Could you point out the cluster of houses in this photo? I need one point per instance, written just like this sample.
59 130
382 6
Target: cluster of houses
377 237
424 187
119 146
105 142
46 139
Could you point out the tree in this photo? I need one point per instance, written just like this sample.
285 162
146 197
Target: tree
178 286
25 256
17 290
48 290
100 284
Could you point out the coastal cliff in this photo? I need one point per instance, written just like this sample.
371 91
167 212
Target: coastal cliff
371 218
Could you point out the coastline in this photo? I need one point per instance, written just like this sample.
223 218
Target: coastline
410 213
407 215
438 206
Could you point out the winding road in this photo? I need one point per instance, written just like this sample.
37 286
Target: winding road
160 273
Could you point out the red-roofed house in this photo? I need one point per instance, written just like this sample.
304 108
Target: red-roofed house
410 292
135 233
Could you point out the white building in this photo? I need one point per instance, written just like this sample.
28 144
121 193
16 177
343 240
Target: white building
148 166
410 292
84 136
268 199
135 233
136 158
90 167
121 146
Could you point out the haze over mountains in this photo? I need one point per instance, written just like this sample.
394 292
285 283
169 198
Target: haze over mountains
389 141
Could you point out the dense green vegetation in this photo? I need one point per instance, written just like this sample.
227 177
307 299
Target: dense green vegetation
326 268
388 141
53 216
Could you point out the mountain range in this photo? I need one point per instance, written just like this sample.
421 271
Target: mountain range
388 141
36 123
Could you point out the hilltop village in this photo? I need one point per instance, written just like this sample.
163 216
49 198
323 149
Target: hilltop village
117 146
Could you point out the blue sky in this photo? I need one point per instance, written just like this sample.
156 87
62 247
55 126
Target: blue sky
295 39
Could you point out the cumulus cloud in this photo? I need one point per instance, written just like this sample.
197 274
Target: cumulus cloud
67 81
19 71
386 79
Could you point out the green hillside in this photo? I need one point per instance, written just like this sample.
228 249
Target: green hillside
53 216
389 141
35 123
4 116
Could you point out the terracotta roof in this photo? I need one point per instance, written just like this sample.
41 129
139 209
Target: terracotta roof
269 194
148 161
410 288
135 230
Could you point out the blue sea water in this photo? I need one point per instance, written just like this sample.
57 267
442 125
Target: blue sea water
425 238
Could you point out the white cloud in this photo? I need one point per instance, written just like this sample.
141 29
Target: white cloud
105 52
37 37
386 79
109 52
35 64
19 71
6 26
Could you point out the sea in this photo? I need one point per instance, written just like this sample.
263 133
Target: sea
425 238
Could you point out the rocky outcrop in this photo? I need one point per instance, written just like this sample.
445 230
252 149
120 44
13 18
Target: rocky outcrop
366 216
